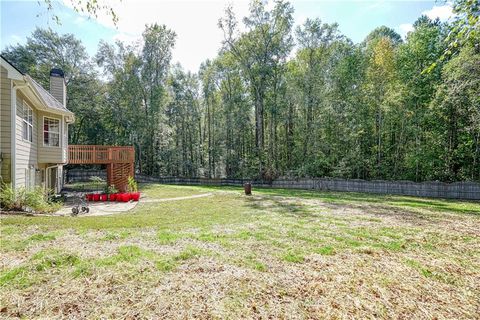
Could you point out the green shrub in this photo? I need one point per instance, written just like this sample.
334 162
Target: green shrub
110 189
36 200
132 185
11 199
97 182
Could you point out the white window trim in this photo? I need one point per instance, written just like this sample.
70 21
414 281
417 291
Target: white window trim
25 105
59 133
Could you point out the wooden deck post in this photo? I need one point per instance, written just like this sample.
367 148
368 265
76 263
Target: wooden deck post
110 174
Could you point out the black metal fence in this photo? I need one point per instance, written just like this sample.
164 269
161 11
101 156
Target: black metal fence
456 190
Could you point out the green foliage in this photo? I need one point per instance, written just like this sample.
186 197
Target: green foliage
90 7
466 26
385 108
96 179
110 189
132 185
11 199
36 199
456 133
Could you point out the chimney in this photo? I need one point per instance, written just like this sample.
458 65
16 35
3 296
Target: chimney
58 88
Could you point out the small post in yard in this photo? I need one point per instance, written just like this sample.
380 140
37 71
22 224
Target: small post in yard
248 188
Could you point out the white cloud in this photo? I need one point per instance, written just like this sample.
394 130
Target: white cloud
195 22
405 28
442 12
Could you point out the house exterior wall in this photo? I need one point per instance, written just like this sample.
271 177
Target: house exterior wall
33 164
26 160
5 127
48 154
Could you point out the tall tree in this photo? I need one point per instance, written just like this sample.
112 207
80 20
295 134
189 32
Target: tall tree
46 49
158 42
266 43
315 40
456 119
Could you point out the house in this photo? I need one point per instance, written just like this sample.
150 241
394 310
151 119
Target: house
33 129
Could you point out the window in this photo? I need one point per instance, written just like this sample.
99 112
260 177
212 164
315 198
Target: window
27 123
51 132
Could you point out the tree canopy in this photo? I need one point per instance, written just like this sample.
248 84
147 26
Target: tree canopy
280 100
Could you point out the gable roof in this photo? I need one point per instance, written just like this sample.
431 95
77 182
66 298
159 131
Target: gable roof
46 96
13 72
49 101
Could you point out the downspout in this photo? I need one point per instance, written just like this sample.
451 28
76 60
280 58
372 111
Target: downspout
13 138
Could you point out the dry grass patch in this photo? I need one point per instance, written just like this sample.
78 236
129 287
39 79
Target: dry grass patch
274 255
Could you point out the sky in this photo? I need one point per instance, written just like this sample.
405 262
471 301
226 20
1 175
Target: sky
196 21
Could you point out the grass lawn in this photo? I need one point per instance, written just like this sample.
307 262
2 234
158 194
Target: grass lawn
277 254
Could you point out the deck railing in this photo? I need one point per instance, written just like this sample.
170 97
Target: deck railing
93 154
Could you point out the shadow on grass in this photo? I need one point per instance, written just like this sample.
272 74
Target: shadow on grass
443 205
300 210
280 206
432 204
404 214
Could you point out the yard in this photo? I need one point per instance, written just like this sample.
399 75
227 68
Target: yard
276 254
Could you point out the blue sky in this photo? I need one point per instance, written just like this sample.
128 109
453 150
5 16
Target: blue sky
195 21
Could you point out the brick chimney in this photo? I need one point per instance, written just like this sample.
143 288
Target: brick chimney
58 89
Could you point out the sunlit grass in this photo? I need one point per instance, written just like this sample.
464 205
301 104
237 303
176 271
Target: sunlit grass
267 236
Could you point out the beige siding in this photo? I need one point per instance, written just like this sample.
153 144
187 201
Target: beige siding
25 151
5 128
50 154
31 158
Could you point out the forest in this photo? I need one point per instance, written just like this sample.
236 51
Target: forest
280 99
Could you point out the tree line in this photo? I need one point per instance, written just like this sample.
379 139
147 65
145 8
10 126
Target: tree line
279 99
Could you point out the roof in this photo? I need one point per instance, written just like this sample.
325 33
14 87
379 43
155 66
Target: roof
47 100
47 97
11 64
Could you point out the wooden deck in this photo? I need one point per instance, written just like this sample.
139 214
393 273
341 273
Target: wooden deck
91 154
119 160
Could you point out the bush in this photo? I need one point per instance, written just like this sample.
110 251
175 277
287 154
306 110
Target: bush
36 200
110 189
11 199
97 182
132 185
